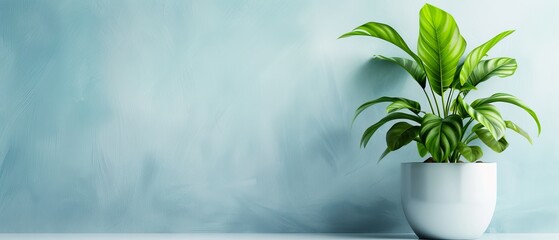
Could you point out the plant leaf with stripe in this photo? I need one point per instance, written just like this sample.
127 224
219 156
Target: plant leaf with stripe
516 128
401 103
471 153
457 108
441 136
440 46
421 149
507 98
393 116
477 54
401 134
471 138
486 137
386 152
501 67
487 115
384 32
414 69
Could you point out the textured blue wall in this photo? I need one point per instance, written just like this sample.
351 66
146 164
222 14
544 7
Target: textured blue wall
188 116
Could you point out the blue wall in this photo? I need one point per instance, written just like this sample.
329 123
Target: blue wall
234 116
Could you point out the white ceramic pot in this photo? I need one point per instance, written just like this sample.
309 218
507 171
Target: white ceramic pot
449 200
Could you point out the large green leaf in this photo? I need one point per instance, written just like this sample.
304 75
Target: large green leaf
477 54
386 152
421 149
397 104
401 134
486 137
487 115
516 128
471 153
384 32
414 69
403 104
507 98
441 136
440 46
393 116
501 67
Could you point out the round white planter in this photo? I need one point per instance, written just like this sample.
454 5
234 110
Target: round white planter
449 200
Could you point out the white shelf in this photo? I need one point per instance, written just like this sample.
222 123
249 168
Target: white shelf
250 236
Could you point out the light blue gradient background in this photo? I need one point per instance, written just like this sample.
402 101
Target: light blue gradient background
234 116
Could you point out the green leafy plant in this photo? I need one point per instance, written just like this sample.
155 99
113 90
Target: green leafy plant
450 129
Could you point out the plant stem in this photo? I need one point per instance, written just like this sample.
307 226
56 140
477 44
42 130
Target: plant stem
468 124
436 103
429 100
442 103
455 156
456 108
448 100
455 100
469 135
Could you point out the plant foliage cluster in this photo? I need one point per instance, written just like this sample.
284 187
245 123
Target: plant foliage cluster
448 130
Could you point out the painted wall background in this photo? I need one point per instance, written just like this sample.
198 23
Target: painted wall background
234 116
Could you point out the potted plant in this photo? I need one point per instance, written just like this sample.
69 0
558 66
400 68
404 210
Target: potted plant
446 197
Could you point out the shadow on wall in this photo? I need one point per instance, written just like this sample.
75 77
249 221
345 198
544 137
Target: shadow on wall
322 179
376 211
374 79
351 211
377 78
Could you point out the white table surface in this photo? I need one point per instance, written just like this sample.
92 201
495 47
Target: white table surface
238 236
